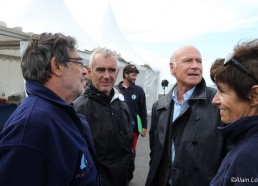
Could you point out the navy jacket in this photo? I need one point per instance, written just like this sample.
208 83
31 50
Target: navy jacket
45 142
136 100
240 166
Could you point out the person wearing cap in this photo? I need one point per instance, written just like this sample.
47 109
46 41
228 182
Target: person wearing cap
135 98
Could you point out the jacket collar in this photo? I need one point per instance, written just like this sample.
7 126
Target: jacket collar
95 94
117 95
36 89
199 93
120 85
243 128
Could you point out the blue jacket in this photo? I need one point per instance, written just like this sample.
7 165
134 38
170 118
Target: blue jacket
240 166
45 142
136 100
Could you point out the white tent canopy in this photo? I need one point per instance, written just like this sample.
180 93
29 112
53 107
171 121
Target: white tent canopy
108 34
40 16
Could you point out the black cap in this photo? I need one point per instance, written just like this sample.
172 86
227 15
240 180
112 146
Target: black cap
130 68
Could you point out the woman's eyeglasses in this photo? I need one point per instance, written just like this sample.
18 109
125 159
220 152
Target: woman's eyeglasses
231 59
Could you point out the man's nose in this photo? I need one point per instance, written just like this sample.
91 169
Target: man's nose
106 73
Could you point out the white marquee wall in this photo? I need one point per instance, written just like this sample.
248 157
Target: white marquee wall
11 81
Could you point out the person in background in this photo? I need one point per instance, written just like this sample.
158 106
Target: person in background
45 141
109 118
215 66
86 78
185 145
237 98
135 98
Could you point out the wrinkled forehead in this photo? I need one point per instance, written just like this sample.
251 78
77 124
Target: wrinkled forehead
188 52
189 58
101 60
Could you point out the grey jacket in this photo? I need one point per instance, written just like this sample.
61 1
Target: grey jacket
199 148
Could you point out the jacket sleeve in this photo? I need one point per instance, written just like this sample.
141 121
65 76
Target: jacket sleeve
153 128
81 105
24 166
129 118
26 153
143 109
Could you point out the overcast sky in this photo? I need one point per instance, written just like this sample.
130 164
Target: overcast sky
149 30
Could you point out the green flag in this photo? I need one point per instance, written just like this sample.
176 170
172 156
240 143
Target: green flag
139 124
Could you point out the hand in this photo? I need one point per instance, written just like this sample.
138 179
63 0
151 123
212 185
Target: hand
144 131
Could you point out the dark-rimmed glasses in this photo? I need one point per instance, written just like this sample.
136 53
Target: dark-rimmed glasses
76 60
231 59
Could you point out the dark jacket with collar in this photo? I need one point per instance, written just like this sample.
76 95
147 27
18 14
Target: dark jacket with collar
110 122
240 166
199 148
45 142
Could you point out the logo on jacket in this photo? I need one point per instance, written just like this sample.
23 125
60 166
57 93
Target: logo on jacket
83 162
133 96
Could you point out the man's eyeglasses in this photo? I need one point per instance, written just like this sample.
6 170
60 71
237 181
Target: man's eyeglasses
76 60
231 59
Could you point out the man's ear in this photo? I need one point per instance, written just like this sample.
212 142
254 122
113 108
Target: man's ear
56 68
172 66
254 95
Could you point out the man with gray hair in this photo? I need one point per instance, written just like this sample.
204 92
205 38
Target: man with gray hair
109 118
186 148
45 141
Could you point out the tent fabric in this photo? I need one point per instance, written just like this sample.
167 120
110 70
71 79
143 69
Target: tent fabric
11 81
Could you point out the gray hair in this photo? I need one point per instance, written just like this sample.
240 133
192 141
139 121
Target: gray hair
105 51
36 60
173 59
